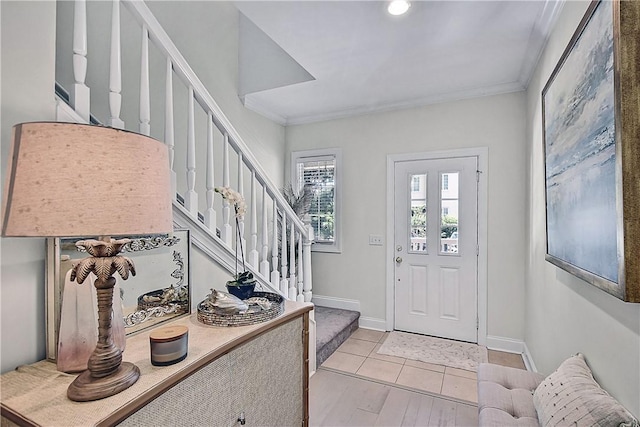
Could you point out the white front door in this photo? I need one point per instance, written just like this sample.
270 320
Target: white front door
436 247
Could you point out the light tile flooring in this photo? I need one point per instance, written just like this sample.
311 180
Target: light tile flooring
358 355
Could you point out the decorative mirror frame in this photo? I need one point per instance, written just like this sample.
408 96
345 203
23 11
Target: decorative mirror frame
147 315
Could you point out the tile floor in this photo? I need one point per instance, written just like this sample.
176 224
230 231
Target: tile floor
358 355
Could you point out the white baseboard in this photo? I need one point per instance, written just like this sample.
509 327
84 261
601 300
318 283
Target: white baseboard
508 345
332 302
528 359
372 323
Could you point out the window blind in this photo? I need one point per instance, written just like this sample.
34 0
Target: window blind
319 174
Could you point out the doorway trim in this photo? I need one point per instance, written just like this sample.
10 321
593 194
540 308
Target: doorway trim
482 153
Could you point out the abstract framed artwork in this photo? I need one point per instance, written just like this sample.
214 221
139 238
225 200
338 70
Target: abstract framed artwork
591 128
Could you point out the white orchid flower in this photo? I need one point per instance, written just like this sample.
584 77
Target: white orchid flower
234 198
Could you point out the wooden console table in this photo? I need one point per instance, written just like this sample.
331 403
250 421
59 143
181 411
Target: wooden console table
259 372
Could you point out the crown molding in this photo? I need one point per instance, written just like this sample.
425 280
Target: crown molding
413 103
250 103
536 44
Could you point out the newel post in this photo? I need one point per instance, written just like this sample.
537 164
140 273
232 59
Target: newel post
306 258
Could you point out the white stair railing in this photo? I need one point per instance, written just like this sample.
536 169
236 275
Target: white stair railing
279 257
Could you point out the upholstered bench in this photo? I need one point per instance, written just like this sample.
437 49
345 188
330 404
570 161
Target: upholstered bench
568 397
505 396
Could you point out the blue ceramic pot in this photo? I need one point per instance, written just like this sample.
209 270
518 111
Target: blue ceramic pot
241 291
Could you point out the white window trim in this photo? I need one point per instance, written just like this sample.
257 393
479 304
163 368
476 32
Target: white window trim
336 246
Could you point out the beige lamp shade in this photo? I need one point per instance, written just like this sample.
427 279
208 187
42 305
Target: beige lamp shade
70 180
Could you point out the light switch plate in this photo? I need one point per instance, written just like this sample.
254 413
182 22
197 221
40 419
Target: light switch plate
375 240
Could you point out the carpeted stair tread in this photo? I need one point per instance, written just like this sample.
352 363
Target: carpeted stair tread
333 327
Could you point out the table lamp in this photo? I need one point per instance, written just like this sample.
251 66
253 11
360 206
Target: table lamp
67 180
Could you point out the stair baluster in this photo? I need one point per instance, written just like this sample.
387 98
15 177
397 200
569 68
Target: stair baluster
115 69
80 95
210 214
168 125
292 263
241 191
253 253
284 281
191 198
300 296
275 274
227 230
264 264
145 103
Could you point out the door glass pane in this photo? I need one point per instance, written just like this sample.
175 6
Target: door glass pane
418 209
449 232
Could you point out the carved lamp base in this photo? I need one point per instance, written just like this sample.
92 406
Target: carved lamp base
106 374
86 388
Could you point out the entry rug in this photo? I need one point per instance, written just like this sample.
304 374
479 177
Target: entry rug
438 351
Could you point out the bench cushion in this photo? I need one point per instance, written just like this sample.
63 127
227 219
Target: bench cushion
505 396
571 396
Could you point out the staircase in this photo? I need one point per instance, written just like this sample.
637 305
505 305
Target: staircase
277 243
333 327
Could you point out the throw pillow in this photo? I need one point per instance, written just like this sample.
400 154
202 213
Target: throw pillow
570 396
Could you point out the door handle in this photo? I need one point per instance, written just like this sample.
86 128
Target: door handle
398 260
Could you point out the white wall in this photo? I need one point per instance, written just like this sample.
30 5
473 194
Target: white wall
205 275
565 315
28 48
358 273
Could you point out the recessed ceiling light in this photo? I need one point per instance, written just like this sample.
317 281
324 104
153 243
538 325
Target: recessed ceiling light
398 7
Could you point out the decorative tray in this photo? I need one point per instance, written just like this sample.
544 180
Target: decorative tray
255 314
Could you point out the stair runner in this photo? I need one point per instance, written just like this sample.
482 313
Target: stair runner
333 327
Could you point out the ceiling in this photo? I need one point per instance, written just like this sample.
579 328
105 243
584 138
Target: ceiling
364 60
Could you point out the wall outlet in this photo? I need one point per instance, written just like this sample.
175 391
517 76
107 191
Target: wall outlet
375 240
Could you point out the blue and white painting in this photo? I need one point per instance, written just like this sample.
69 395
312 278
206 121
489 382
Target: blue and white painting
579 118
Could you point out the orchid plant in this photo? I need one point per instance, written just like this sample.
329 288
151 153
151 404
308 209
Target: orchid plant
240 208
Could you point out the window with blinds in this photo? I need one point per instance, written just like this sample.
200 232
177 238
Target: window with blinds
318 170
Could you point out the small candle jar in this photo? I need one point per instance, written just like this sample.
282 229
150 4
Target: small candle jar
169 345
